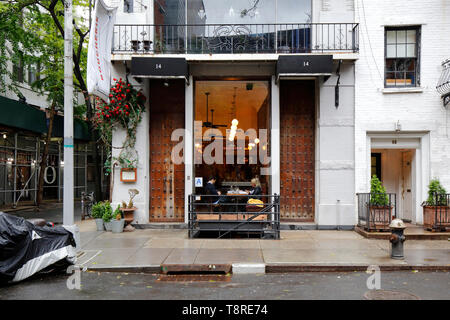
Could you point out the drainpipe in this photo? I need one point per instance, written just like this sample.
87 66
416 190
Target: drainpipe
338 214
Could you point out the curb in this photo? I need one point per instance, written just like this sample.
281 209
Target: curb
298 268
260 268
129 269
248 268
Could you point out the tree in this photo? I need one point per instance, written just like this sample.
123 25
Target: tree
32 32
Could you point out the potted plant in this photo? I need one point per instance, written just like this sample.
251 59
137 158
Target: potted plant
97 214
124 112
118 221
107 215
436 202
128 209
380 206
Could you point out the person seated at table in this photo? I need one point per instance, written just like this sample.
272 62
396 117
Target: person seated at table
210 189
256 190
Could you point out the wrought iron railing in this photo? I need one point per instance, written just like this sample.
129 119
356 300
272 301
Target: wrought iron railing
229 214
376 210
236 38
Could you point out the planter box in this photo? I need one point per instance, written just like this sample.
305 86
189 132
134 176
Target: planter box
379 218
429 218
117 225
100 224
108 225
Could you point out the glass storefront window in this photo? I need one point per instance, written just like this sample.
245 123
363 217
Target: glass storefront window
202 12
231 133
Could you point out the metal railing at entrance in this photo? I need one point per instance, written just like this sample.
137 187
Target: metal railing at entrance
376 210
228 215
236 38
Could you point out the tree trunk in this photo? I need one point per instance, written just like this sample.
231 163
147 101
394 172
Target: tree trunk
97 165
45 156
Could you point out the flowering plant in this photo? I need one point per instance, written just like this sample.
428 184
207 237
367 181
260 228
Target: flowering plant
125 111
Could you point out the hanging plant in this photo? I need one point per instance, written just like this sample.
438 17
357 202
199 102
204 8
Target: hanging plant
123 111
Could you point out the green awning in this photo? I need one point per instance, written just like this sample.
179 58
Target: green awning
80 128
22 116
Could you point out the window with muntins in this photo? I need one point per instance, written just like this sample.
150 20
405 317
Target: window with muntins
402 57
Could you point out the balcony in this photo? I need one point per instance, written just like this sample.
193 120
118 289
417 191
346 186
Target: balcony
326 38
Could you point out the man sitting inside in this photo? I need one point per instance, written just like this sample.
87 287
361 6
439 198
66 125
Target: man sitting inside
210 189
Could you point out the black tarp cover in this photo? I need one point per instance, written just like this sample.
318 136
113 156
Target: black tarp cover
26 249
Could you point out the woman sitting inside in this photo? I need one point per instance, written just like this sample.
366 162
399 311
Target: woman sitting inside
256 190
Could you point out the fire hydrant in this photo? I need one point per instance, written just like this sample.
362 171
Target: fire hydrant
397 238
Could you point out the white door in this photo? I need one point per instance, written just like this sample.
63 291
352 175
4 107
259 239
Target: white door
406 188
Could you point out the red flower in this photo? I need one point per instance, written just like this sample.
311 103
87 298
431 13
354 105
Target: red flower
127 113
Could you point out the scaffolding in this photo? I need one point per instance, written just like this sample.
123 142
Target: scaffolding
20 155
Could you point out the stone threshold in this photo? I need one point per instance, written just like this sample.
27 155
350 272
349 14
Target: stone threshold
409 236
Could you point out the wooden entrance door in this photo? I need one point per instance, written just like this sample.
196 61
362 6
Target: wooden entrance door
167 178
407 202
297 137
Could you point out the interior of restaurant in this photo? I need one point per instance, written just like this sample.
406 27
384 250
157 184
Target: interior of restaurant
226 111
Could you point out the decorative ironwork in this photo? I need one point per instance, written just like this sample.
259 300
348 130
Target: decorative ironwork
373 217
443 86
232 214
237 38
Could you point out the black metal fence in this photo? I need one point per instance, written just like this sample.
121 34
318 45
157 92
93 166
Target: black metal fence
376 210
236 38
228 215
436 215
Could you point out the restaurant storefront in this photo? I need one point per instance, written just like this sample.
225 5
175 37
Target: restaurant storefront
238 93
288 133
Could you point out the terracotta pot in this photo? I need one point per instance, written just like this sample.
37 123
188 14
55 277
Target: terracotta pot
128 214
429 216
380 217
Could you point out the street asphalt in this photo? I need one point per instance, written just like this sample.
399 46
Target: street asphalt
293 286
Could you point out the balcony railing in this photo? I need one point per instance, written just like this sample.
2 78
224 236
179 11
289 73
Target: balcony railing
236 38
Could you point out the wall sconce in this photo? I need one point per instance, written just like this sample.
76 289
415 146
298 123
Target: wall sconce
398 126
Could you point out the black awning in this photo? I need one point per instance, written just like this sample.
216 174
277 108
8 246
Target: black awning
22 116
16 114
291 66
159 68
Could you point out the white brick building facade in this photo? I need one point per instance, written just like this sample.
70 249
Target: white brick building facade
419 110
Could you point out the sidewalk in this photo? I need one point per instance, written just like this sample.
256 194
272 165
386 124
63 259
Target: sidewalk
151 250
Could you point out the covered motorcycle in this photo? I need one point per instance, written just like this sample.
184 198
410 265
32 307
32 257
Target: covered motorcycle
26 249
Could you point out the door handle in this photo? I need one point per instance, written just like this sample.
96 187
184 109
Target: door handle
170 190
164 185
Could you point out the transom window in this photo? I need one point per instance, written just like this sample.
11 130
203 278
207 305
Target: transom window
402 57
